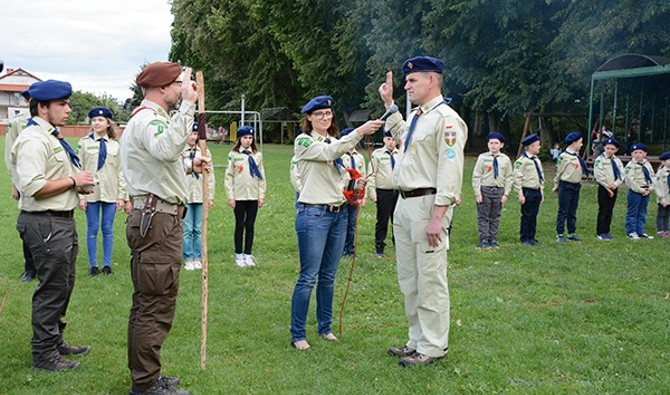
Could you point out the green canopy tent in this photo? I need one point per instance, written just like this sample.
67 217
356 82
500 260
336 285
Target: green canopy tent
634 95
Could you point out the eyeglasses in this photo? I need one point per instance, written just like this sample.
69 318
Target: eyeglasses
177 82
323 114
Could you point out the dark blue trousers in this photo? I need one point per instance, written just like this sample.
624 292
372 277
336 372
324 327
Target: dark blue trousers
529 212
568 200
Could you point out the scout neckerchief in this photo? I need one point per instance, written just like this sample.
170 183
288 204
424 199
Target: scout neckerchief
353 160
647 176
253 167
582 164
74 159
392 159
337 162
537 167
495 167
412 124
615 168
102 151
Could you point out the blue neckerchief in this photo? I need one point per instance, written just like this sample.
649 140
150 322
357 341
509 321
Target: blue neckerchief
191 156
392 159
353 161
337 162
537 167
253 167
31 122
74 159
615 168
495 167
582 164
102 151
417 114
647 176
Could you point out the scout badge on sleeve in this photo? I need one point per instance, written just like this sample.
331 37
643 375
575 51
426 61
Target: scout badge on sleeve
353 196
147 214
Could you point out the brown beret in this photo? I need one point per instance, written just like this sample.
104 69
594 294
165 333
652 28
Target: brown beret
158 74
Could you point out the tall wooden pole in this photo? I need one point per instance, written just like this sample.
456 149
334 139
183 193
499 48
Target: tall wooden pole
202 134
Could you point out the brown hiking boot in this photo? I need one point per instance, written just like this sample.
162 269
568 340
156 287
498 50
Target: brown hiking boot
400 352
55 364
417 359
160 387
68 349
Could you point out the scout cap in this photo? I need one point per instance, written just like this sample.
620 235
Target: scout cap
638 146
317 103
611 142
100 112
158 74
422 63
572 137
245 131
49 90
346 131
497 136
530 139
387 133
664 156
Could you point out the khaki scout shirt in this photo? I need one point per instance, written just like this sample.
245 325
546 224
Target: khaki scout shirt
525 174
604 173
295 177
359 160
151 148
38 157
239 183
483 174
321 182
568 168
111 185
15 126
381 172
661 186
434 157
193 184
634 176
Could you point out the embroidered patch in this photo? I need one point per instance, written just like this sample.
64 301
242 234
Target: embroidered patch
240 169
159 125
451 153
450 137
305 142
488 168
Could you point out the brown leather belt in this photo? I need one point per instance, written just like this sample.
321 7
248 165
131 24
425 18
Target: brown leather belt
417 192
160 207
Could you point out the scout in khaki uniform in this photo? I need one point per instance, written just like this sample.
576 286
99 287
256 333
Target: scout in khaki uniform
492 180
151 148
320 222
638 179
193 220
16 125
99 153
429 174
567 183
608 173
528 184
245 186
352 159
381 190
48 182
663 195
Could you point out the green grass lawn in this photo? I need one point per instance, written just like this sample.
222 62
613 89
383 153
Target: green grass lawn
589 317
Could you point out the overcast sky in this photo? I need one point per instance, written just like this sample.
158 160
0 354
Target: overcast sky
98 46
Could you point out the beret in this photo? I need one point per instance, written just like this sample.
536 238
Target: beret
346 131
530 139
572 137
245 131
26 94
497 136
49 90
100 112
638 146
158 74
422 63
611 142
387 133
664 156
317 103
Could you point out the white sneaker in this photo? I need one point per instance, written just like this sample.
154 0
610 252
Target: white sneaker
197 264
249 260
633 236
646 236
240 261
189 265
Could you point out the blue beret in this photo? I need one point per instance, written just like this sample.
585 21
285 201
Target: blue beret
346 131
26 94
422 63
245 131
572 137
638 146
49 90
317 103
611 142
387 133
530 139
495 135
100 112
664 156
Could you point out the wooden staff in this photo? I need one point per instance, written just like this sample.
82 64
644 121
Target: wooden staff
202 135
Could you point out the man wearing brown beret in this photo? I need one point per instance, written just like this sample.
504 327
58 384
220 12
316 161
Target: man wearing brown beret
152 165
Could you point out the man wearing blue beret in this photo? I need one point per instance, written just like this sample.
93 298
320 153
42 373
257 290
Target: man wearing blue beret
608 173
48 180
569 172
428 174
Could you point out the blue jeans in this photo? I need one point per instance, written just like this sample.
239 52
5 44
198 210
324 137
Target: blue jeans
93 223
320 243
193 231
350 214
636 214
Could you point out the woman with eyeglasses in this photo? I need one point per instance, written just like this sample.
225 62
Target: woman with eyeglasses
320 220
